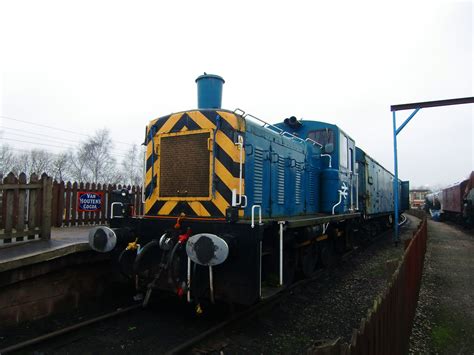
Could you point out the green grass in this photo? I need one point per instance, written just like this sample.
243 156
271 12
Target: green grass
442 336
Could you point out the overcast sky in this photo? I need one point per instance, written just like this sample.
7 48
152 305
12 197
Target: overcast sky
81 66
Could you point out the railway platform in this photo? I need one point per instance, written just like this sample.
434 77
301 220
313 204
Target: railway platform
64 241
43 277
444 321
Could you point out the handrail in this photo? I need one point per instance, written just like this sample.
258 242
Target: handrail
265 123
278 130
314 142
259 215
112 209
330 159
144 176
237 110
240 144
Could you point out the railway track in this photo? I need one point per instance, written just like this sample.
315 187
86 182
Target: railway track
260 307
194 341
48 336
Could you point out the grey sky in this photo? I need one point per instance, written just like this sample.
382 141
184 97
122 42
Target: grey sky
92 64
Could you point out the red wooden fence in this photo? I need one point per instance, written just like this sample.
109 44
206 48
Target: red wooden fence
387 327
29 209
25 208
64 203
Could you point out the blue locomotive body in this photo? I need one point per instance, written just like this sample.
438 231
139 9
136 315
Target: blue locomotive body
235 205
281 173
375 186
337 163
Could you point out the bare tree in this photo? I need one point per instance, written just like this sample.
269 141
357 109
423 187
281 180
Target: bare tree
78 164
94 162
40 161
7 160
22 164
60 166
132 166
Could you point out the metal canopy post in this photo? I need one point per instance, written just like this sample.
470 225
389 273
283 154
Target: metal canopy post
396 236
417 106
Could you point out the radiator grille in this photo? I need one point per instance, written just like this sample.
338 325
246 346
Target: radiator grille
312 187
281 181
298 184
184 165
258 177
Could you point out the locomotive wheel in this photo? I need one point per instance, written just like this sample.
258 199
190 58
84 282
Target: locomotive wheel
147 258
327 254
290 261
340 245
126 260
309 259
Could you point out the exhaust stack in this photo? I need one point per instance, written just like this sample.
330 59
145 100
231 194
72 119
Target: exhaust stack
209 91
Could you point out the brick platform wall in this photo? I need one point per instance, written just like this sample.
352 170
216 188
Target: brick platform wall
53 287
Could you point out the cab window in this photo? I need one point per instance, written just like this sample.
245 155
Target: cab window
322 136
343 151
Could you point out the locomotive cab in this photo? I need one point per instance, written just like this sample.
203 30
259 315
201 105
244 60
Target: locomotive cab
339 176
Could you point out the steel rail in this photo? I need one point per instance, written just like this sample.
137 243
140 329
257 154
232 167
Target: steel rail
248 313
253 310
71 328
261 306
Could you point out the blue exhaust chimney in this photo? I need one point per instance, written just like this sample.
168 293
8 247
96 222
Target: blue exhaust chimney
209 91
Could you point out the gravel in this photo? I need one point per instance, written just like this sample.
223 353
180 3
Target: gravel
326 309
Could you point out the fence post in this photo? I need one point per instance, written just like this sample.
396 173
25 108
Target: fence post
20 223
9 179
60 207
47 186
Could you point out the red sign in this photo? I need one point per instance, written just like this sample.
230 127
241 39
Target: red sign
88 201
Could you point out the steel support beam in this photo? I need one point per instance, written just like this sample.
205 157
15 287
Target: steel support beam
396 130
396 235
461 101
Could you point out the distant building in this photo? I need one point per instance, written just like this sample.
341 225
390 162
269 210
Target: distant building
417 198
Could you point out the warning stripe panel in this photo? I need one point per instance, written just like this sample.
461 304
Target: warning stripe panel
201 120
153 209
167 207
169 124
148 172
151 201
232 120
230 181
199 209
183 207
149 150
184 122
226 163
229 147
221 203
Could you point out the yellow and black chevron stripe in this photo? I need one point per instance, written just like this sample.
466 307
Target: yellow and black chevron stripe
226 126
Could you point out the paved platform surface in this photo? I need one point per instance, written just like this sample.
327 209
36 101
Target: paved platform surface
444 321
63 241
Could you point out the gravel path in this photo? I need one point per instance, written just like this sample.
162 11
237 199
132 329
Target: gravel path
326 309
444 320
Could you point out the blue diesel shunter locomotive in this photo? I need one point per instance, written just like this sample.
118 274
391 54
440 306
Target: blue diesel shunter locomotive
236 207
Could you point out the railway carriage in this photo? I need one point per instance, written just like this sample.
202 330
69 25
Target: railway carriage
236 207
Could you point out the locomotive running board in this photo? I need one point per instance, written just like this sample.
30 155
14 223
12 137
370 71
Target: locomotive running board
304 221
307 221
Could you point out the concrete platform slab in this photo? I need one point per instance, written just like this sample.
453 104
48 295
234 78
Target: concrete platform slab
444 320
63 241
